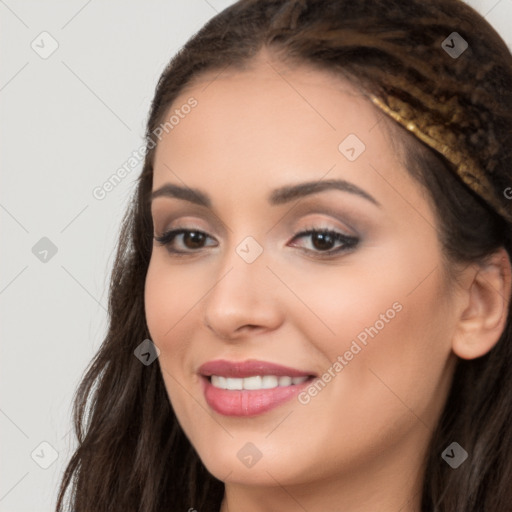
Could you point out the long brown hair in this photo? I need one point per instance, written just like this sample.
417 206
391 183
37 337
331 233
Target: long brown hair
132 454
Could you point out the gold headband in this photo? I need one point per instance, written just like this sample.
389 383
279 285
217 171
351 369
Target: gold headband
436 136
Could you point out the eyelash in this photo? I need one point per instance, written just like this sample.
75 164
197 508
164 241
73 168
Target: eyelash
349 242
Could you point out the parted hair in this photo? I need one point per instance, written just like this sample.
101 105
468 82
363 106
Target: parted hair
131 453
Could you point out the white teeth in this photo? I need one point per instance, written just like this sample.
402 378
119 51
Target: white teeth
233 383
269 382
285 381
252 382
255 382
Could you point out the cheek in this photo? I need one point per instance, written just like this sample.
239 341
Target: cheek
393 374
170 294
395 343
391 324
412 354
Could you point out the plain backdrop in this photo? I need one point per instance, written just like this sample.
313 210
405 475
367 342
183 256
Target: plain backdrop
76 81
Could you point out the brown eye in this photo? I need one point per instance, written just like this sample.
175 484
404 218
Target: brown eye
191 239
323 241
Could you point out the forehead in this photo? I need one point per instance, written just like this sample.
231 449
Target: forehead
271 118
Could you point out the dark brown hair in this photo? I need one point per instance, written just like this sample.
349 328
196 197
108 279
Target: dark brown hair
132 454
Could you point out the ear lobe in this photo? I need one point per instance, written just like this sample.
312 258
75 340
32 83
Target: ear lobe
484 318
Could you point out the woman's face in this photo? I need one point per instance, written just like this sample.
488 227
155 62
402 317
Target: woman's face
369 314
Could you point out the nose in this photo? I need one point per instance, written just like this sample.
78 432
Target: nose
243 299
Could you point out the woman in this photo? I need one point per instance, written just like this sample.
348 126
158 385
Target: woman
310 304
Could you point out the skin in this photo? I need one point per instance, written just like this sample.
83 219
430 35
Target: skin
359 444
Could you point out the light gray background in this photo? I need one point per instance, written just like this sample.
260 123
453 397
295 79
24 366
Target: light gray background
68 122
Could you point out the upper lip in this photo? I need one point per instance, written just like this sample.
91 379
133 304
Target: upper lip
249 368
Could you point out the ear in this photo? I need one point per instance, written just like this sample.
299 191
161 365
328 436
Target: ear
484 316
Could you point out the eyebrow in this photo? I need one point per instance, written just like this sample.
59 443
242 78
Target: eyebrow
277 197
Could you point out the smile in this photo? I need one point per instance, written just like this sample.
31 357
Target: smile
249 388
255 382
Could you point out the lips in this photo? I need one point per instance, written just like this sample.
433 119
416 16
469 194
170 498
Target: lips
249 368
226 391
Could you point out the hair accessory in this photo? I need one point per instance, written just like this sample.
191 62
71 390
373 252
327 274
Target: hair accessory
442 140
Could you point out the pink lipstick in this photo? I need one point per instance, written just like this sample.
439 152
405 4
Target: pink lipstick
249 388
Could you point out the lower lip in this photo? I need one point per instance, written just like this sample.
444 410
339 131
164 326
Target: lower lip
247 402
